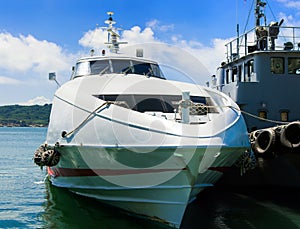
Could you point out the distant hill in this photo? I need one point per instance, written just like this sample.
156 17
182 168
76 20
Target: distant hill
17 115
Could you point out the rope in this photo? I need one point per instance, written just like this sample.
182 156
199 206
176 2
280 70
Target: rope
263 119
107 103
249 114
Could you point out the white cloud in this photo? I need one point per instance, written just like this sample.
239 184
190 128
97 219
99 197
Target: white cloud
25 64
291 4
94 38
40 100
194 59
289 20
26 53
27 60
136 35
156 25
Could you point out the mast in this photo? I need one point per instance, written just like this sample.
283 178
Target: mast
112 39
259 12
260 30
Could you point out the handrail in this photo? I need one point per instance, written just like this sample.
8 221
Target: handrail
288 39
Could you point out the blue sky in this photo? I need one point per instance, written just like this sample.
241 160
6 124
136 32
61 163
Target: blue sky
40 36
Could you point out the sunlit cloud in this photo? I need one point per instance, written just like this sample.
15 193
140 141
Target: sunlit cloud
26 53
94 38
40 100
191 56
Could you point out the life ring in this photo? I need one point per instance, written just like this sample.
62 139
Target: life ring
290 135
265 141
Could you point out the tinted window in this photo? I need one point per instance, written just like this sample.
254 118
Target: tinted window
120 66
99 67
294 65
277 65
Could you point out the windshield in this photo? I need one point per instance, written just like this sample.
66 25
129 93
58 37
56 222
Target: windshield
118 66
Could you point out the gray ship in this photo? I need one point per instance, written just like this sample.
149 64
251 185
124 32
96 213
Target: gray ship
262 75
262 72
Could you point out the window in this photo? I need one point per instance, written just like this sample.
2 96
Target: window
99 67
250 66
239 73
227 76
234 73
147 69
277 65
82 68
263 114
284 116
250 69
294 65
119 66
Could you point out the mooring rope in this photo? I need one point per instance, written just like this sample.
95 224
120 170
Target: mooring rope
107 103
249 114
260 118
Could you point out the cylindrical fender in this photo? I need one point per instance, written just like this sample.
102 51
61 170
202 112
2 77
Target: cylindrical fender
265 141
290 135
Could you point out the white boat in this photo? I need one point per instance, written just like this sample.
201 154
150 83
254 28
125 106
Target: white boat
121 133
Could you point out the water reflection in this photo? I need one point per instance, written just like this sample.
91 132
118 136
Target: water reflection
64 209
214 208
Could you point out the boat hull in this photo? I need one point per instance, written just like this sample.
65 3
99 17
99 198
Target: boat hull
159 192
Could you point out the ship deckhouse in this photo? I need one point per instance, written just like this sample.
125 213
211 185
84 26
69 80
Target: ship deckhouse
262 72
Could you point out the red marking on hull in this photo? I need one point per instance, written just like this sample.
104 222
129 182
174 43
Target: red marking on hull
70 172
219 169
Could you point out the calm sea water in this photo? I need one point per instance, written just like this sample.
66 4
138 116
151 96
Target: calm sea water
26 201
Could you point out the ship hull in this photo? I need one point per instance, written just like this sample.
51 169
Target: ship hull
159 192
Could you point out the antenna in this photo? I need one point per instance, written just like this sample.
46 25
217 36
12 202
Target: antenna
112 38
260 30
259 12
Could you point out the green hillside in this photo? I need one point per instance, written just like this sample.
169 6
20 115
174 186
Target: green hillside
16 115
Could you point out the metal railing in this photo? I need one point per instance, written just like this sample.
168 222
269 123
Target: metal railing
263 38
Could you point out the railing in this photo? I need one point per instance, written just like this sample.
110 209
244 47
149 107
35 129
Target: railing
264 38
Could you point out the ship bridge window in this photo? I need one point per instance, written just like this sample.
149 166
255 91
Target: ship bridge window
277 65
250 69
119 66
234 73
294 65
99 67
147 69
82 69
